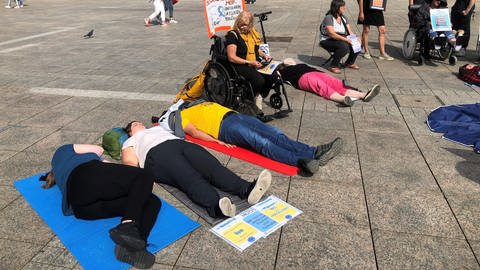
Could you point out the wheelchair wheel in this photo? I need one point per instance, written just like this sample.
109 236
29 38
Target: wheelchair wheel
452 60
409 44
217 85
276 101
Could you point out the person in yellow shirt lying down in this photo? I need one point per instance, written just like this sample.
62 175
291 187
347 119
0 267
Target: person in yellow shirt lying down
213 122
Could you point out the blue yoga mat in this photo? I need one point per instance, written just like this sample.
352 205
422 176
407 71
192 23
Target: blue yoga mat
88 240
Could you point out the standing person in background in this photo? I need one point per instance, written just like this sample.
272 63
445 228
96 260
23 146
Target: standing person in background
159 9
169 7
368 17
461 15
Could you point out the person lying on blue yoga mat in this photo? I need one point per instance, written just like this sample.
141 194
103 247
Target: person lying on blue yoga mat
93 189
213 122
190 168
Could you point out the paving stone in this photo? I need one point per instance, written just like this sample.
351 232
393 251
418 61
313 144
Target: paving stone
413 251
17 138
417 101
466 211
329 203
20 222
35 266
55 257
7 195
4 155
17 254
379 123
48 145
23 165
413 210
204 244
340 248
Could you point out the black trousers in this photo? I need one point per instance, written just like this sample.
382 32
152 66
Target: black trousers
194 171
102 190
339 49
261 83
462 22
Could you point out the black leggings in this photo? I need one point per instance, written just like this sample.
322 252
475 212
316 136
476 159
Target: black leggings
339 49
103 190
261 83
194 171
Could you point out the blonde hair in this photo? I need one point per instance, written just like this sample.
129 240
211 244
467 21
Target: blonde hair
49 181
243 17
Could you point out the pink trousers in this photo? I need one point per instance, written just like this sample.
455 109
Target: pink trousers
321 84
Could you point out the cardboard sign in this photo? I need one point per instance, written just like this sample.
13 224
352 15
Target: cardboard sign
378 4
221 14
440 18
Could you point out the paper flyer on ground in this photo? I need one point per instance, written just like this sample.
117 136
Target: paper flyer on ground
270 68
256 222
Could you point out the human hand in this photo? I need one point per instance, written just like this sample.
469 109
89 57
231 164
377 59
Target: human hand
361 17
226 144
465 12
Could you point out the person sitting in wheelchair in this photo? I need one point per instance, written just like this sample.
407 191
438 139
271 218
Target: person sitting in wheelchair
244 53
424 24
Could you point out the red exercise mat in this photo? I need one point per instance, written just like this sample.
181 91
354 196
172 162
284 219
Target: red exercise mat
249 156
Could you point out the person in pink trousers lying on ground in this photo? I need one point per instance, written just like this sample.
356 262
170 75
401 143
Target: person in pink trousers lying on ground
307 78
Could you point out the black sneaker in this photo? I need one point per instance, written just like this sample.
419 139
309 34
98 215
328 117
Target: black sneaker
127 235
141 259
325 152
308 166
372 92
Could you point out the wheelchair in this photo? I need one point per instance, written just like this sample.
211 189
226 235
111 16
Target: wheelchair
225 86
415 40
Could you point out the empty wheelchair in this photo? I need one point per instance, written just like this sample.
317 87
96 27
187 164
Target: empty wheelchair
416 40
225 86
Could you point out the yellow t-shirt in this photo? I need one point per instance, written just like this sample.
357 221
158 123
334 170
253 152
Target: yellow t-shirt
251 39
206 116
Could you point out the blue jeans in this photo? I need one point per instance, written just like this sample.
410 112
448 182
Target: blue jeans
249 132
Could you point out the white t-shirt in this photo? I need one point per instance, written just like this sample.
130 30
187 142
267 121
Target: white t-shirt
338 28
145 140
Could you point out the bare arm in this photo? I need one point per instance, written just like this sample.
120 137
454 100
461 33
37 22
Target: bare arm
469 7
331 33
410 2
129 157
88 148
193 131
361 16
232 57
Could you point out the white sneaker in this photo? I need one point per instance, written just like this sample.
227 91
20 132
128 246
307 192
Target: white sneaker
172 20
367 56
261 186
227 207
8 7
17 7
258 101
386 57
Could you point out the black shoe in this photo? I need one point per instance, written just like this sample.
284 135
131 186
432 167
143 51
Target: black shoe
141 259
127 235
155 119
309 166
325 152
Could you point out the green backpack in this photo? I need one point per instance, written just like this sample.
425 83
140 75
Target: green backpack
113 140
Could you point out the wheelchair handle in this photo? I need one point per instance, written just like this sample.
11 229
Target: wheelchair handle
262 16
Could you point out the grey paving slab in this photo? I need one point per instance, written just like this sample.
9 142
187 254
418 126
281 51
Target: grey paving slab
203 244
8 195
413 210
20 222
466 211
22 165
17 254
330 203
379 123
408 251
55 256
341 247
418 101
17 138
49 144
35 265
